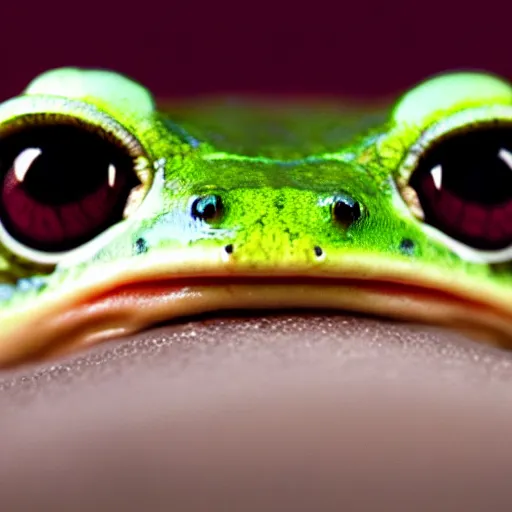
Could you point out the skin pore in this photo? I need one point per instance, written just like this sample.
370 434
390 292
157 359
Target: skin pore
286 410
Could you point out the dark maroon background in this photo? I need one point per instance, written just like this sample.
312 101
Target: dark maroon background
189 47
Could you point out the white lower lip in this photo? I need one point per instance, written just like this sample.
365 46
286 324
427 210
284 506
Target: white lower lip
138 306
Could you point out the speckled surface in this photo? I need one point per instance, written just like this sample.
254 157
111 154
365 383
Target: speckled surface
301 411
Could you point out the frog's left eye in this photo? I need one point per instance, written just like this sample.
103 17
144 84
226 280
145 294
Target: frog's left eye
463 183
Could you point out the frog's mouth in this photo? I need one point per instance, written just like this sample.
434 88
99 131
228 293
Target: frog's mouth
139 305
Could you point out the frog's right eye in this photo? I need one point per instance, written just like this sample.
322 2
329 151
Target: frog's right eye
64 181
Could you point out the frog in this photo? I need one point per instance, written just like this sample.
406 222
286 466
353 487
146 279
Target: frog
119 211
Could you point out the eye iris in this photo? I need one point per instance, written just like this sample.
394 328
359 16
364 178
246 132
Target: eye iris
464 185
61 186
207 208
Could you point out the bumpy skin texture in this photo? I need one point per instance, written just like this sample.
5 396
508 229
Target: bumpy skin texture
277 172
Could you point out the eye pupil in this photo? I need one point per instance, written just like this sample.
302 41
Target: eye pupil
53 177
345 210
464 186
207 208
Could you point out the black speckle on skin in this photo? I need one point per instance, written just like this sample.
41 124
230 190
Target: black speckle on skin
141 246
318 251
279 204
407 246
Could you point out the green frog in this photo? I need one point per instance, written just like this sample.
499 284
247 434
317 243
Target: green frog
118 212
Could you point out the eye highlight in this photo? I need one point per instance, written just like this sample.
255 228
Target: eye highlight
463 184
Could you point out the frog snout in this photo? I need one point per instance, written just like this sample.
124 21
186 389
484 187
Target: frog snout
273 251
282 236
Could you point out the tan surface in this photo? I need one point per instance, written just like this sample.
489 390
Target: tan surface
303 413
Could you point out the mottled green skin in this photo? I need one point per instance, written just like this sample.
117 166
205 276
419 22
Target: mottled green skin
276 194
277 169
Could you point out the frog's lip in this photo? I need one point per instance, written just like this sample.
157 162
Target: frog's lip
124 309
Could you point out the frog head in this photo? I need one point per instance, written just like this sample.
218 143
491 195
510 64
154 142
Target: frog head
117 214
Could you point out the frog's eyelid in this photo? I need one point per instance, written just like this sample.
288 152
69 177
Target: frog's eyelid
119 93
451 91
22 111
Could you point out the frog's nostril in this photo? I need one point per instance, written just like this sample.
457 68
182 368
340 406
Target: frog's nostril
345 210
407 246
318 251
229 249
140 246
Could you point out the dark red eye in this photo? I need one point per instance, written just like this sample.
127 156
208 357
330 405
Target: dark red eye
62 185
464 185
